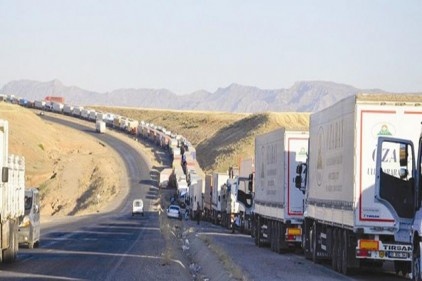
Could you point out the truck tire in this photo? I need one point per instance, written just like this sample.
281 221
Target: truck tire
416 261
314 244
334 245
9 254
339 250
345 268
306 241
258 233
275 237
270 230
403 267
279 242
282 244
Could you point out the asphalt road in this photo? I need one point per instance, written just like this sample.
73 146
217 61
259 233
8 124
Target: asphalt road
263 264
105 246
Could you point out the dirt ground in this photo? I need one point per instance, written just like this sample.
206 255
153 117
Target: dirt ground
75 173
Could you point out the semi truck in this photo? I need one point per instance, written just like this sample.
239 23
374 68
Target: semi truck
218 180
207 197
100 126
245 193
237 201
278 204
12 192
359 201
196 191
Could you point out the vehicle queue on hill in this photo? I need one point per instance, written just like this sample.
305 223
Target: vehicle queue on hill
349 193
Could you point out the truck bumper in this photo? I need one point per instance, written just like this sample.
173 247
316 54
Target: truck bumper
375 249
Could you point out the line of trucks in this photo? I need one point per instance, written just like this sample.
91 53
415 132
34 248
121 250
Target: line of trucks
348 189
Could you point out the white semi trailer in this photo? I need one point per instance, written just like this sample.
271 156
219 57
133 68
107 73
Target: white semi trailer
100 126
351 218
278 204
196 195
218 180
12 192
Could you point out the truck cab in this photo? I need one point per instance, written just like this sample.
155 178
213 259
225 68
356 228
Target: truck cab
398 186
29 227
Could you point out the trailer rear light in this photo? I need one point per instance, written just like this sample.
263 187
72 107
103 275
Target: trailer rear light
362 253
294 231
370 245
290 238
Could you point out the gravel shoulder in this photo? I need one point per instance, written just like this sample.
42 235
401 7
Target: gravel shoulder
205 260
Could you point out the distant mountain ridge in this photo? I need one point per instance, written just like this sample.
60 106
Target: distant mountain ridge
304 96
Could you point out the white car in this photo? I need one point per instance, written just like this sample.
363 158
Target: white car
138 207
173 211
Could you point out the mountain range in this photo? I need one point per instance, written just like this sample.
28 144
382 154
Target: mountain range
304 96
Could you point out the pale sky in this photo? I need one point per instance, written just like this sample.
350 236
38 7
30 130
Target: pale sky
186 46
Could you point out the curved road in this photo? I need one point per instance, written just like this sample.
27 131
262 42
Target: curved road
106 246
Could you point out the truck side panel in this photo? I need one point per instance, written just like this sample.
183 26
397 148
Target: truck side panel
330 192
276 156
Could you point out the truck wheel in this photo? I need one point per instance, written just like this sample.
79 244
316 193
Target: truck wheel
401 266
270 232
314 244
416 262
339 251
344 253
9 254
334 245
282 246
258 234
274 236
278 238
305 241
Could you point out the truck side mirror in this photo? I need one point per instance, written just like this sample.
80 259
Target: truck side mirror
299 169
5 174
298 182
250 182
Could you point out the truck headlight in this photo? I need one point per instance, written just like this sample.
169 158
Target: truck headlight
25 222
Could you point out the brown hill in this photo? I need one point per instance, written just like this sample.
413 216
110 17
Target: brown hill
73 169
70 168
221 139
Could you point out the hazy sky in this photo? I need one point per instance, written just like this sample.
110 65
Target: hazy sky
185 46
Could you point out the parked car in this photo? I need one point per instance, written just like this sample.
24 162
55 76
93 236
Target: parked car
173 211
138 207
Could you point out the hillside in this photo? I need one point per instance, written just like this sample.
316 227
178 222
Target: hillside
221 139
71 169
78 175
